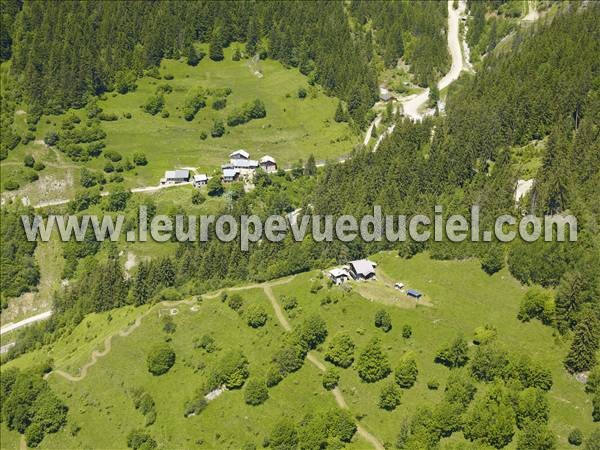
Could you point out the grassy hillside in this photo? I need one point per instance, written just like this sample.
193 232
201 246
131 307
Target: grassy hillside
101 402
293 129
463 297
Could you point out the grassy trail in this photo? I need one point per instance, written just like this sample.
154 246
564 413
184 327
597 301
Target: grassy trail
337 394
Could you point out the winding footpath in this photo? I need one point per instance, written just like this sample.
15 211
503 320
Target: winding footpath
267 288
312 358
96 354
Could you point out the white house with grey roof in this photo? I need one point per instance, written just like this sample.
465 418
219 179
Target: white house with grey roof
362 269
339 275
230 174
176 176
200 179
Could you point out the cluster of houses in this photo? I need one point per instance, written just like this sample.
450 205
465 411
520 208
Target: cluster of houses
239 166
362 270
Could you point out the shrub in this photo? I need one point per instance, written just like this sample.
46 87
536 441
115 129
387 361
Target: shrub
160 359
433 384
39 166
576 437
108 117
31 176
195 405
140 440
34 434
315 287
284 436
215 187
289 358
301 93
197 197
256 316
455 354
535 305
389 397
165 114
407 371
484 335
235 302
154 104
11 185
168 76
51 138
125 81
493 260
203 136
341 350
231 370
139 159
255 392
219 103
218 129
113 156
289 302
312 331
406 331
593 382
249 111
28 138
29 161
383 320
372 364
165 88
274 376
169 326
331 379
341 424
194 100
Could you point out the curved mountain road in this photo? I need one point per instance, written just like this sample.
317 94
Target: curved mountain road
412 105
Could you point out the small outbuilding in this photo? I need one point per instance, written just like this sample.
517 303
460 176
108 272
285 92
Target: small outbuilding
362 269
339 276
385 95
200 180
176 176
268 164
240 154
414 294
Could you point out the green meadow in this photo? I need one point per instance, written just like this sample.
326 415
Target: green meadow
461 297
293 129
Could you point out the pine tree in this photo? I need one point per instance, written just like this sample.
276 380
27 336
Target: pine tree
141 288
252 40
582 355
340 116
215 47
310 169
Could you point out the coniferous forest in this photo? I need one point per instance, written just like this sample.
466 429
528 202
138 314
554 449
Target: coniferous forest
528 107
